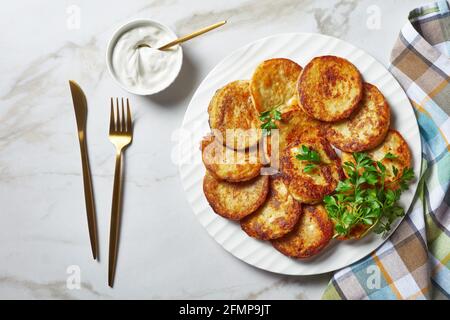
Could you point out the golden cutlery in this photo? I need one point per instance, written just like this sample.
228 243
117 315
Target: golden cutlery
121 135
80 106
187 37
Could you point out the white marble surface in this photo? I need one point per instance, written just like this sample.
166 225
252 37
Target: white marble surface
164 252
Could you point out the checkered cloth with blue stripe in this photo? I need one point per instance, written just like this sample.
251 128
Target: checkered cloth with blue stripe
414 262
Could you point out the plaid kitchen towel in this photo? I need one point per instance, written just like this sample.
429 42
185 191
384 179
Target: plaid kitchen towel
415 259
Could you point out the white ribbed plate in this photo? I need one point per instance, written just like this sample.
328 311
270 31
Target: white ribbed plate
301 48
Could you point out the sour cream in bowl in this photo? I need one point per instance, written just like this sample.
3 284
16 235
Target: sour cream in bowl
138 69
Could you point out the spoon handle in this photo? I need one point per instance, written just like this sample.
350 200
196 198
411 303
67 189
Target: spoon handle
192 35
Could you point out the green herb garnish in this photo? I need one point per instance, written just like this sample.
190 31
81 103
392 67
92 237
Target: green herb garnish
268 119
390 156
309 167
307 154
365 197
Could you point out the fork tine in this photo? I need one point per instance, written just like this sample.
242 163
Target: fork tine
128 117
123 129
117 115
111 118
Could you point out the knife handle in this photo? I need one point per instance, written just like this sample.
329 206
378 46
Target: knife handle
89 197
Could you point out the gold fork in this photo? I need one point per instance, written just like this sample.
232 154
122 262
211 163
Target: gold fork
121 135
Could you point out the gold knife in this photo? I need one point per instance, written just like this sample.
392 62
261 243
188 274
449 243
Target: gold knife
80 105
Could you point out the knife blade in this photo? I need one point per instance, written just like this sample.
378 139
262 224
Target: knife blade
80 106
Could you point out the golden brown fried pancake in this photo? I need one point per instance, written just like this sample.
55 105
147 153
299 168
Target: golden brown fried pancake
230 109
276 217
228 164
394 144
357 232
366 127
297 125
310 187
274 84
235 200
329 88
294 125
312 233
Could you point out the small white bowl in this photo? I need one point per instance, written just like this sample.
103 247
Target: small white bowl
112 43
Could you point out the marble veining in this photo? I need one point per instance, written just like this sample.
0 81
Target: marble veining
54 289
247 12
334 20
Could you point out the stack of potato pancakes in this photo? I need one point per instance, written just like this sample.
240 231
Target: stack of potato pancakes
314 108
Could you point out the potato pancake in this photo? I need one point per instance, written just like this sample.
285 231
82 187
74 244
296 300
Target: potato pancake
295 125
235 200
312 233
367 126
274 84
276 217
310 187
330 88
395 145
357 232
228 164
233 117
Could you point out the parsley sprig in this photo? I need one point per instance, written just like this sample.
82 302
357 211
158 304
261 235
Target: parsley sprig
307 154
365 197
268 119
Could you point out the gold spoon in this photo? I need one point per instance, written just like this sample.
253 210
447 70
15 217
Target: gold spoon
186 37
